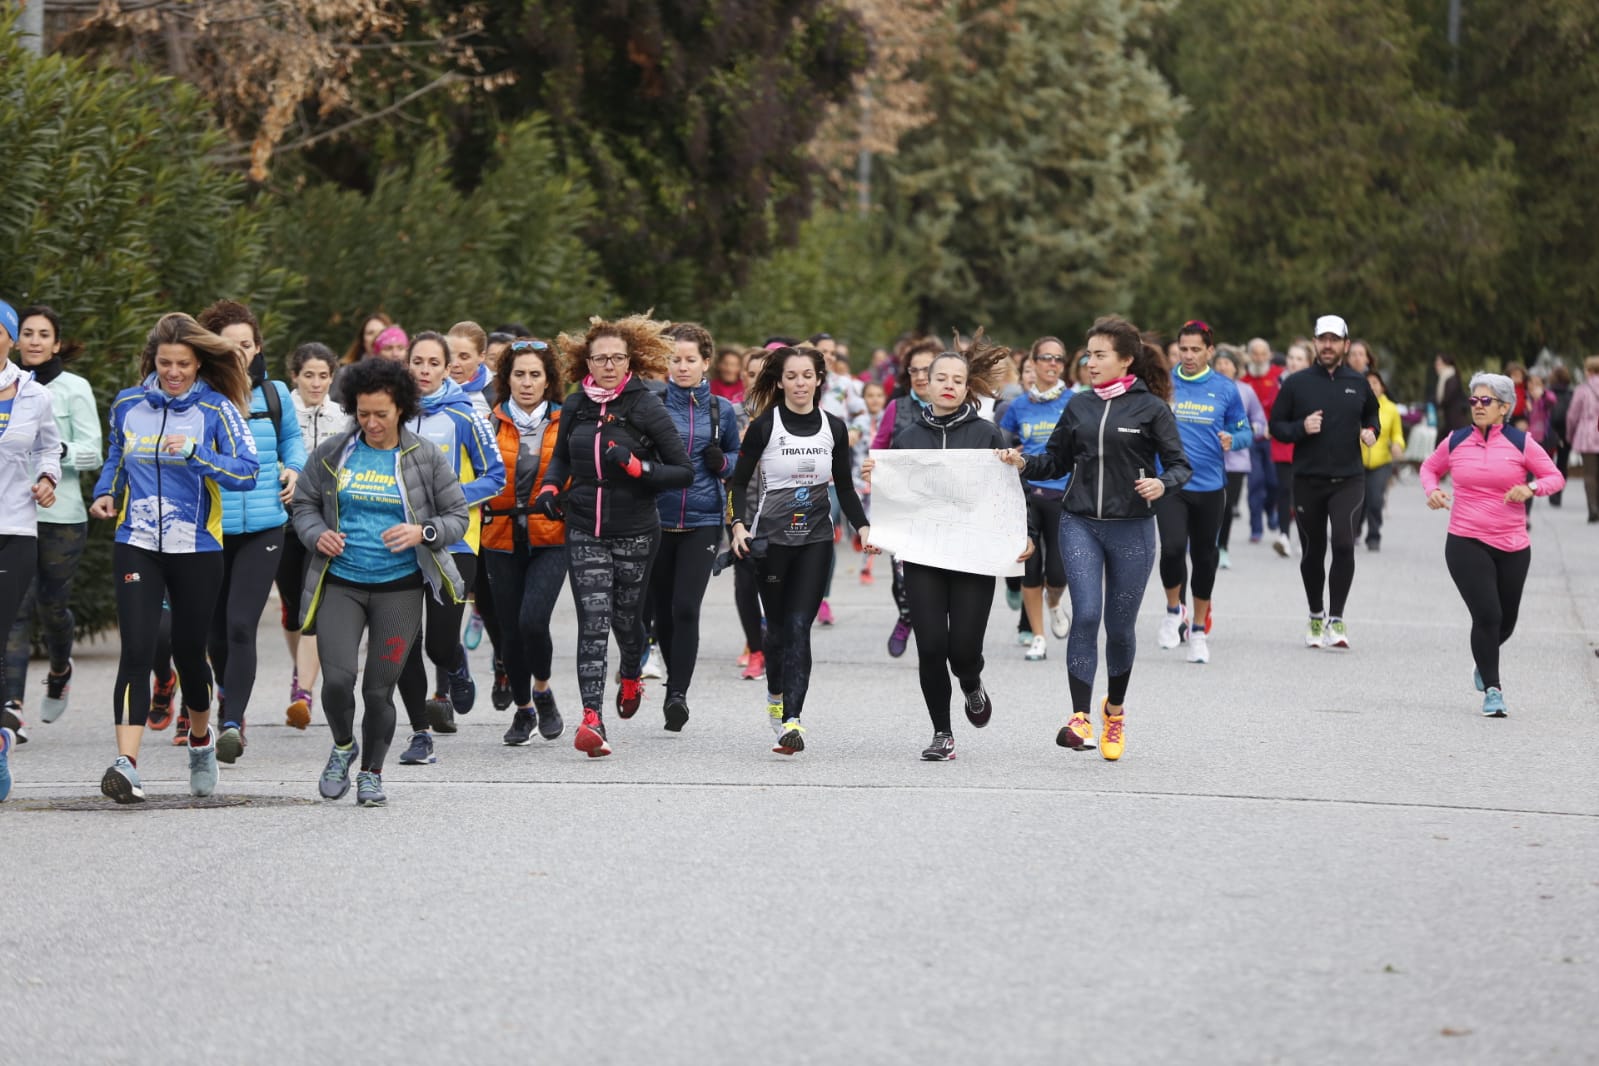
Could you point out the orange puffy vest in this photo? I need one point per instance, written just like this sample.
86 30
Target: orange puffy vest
499 526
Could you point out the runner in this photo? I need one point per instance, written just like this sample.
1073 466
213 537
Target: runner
365 343
252 526
1379 458
311 367
1110 439
1326 412
468 366
446 420
1282 458
861 431
619 448
392 344
377 508
1030 421
1240 463
66 521
1264 379
1212 423
692 517
1487 550
746 594
1582 430
524 553
903 409
801 450
177 441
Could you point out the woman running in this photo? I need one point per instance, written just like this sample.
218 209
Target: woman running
378 508
949 608
801 450
692 517
311 367
619 448
1487 550
66 521
252 527
903 409
1240 464
524 552
30 470
445 419
1212 423
177 442
1109 440
1379 458
746 598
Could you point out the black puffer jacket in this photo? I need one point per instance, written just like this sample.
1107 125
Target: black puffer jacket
602 500
1106 445
963 429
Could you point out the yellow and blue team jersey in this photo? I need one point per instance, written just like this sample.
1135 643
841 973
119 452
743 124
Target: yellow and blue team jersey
370 501
1032 422
449 422
1206 405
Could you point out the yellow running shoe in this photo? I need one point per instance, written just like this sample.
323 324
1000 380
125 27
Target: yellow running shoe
774 713
1077 731
1110 737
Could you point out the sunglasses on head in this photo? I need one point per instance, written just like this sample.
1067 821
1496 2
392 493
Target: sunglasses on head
528 346
1482 401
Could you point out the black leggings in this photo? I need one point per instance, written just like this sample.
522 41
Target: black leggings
1285 497
49 597
949 614
1490 580
529 581
1044 567
249 563
189 582
1321 503
1190 522
792 580
1235 489
747 598
681 573
483 599
441 643
390 617
608 577
19 556
291 579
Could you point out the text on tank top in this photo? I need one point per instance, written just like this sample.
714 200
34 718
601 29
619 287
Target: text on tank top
795 472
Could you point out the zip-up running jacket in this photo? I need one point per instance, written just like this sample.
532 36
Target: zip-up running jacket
964 428
700 419
1206 406
320 423
1484 468
260 508
1347 406
78 423
450 423
30 448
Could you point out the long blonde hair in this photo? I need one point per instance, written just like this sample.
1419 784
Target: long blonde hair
221 361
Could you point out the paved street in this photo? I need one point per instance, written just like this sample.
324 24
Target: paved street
1304 857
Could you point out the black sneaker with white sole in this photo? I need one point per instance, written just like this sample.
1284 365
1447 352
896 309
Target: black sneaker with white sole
523 724
979 708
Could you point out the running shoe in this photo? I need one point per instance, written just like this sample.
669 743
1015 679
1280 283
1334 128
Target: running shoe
500 694
121 782
676 711
56 687
474 631
774 713
161 705
1076 733
899 638
463 690
420 751
1222 560
1013 598
629 694
792 738
523 722
979 708
550 724
8 740
1374 545
942 749
744 657
1283 546
866 575
231 744
440 714
1060 620
11 718
755 667
1337 634
298 713
1476 680
590 737
824 614
180 736
1198 647
1493 704
369 789
1024 637
1110 737
654 666
1038 650
335 783
1173 627
1316 633
203 765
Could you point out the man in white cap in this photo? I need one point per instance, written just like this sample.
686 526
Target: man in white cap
1326 412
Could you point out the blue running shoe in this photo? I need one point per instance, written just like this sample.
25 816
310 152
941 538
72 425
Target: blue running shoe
8 740
369 789
1476 679
420 753
335 781
1493 704
121 782
463 690
474 631
203 765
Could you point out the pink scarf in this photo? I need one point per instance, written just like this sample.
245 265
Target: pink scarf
599 395
1115 388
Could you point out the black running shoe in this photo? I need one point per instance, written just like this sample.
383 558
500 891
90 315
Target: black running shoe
11 718
979 708
676 713
522 726
500 695
942 749
463 690
550 724
441 714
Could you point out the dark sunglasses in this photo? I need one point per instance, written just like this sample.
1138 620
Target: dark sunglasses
1049 358
1482 401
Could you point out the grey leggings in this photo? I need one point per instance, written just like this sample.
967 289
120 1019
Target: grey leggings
392 618
1108 563
608 577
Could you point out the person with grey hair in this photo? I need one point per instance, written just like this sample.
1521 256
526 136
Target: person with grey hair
1487 549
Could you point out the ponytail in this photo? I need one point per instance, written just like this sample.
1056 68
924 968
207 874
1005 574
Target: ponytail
1149 362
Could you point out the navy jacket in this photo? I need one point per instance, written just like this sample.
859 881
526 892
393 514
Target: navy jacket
700 419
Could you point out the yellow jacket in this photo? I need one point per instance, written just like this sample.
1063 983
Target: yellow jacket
1389 434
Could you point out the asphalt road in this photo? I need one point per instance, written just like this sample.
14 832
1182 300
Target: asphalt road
1304 857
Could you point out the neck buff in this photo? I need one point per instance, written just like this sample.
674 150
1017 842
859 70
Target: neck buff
1115 388
48 370
1052 394
10 374
527 422
599 395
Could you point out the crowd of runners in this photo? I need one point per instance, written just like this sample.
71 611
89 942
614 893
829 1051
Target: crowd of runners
421 492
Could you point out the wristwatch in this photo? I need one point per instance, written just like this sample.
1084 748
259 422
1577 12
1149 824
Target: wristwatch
430 534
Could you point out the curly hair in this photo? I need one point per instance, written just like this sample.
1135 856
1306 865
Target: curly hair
221 361
695 334
985 365
379 375
647 345
554 387
1149 362
224 313
768 384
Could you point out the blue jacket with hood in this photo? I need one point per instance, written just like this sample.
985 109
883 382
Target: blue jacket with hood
449 423
260 509
701 419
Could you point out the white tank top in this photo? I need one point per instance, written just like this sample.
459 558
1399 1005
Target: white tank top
795 471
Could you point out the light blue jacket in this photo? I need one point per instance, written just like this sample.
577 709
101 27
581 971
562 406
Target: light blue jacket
260 508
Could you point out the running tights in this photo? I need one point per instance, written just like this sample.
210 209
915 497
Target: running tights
189 582
1108 564
1321 504
747 598
1490 580
18 558
792 580
608 577
441 643
1043 567
1235 490
249 563
681 573
391 618
59 547
291 579
1285 496
1190 522
949 614
528 583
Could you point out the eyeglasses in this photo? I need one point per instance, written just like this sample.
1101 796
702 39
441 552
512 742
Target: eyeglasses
618 359
921 371
528 346
1482 401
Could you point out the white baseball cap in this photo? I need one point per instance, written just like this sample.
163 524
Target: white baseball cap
1331 324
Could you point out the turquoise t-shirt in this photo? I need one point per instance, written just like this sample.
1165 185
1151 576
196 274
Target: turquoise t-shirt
369 503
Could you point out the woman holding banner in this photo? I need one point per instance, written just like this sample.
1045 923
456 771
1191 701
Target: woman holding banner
949 608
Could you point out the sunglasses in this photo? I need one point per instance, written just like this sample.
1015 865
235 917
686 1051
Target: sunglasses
527 346
1049 358
1482 401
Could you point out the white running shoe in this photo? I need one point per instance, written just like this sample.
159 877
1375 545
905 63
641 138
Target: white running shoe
1060 620
1038 650
1172 628
1198 647
654 664
1283 546
1223 562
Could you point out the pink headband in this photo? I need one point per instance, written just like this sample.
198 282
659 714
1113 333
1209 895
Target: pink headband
392 335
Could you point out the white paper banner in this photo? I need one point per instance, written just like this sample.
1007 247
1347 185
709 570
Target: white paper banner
960 510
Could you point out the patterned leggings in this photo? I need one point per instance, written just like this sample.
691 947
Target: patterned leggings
609 576
1107 567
